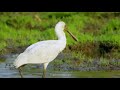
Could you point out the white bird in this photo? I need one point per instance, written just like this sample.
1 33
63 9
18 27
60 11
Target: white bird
43 52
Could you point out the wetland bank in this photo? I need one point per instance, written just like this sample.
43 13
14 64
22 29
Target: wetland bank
97 51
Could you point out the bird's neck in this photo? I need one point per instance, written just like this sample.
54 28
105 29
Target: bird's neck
60 34
61 38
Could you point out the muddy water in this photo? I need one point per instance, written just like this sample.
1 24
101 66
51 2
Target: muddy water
35 71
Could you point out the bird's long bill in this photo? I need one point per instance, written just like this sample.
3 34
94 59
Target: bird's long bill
72 35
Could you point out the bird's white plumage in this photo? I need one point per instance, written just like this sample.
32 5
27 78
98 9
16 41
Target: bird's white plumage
43 51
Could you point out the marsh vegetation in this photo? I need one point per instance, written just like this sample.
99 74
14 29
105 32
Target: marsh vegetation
98 33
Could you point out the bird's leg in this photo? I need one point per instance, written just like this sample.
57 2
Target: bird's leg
20 71
44 69
44 73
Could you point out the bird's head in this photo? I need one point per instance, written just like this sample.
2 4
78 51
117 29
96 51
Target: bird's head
60 25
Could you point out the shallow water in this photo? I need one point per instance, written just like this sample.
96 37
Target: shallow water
34 71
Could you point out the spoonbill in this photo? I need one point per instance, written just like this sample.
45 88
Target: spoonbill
44 52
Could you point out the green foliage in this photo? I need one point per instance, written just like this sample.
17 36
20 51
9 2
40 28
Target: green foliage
21 29
112 27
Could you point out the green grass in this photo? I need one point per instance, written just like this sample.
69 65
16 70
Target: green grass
21 29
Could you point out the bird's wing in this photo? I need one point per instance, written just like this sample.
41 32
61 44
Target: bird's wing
41 46
42 52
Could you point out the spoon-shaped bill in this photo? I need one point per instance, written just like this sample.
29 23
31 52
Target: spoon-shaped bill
72 35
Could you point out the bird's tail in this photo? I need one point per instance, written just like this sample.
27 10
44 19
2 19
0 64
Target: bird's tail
20 60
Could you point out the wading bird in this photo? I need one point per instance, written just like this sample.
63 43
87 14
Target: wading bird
44 52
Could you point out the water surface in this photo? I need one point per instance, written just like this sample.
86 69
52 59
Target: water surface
34 71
